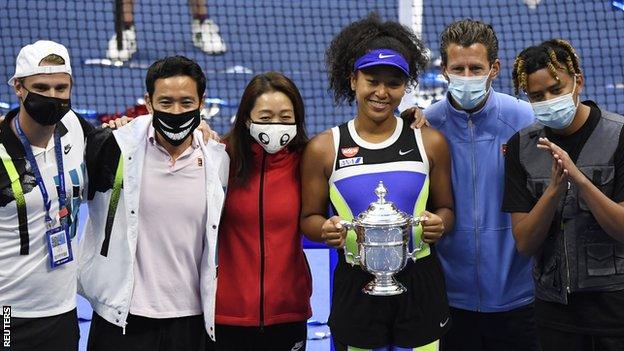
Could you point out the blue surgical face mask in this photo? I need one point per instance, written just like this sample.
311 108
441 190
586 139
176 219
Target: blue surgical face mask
468 92
557 113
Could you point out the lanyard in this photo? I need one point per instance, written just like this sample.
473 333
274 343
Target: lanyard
35 168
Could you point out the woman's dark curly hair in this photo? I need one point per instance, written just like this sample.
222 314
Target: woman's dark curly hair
365 35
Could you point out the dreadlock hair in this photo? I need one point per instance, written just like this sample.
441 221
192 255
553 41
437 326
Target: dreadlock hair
365 35
467 32
552 54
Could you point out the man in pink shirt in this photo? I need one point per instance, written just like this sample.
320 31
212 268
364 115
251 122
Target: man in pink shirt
147 262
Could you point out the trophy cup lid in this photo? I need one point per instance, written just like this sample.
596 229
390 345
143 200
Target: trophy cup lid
382 212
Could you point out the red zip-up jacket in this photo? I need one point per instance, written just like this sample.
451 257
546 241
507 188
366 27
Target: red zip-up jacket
263 275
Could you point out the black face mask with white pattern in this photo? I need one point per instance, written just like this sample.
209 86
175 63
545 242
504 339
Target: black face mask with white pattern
175 128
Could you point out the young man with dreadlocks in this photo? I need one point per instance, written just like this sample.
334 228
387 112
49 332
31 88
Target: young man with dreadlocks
564 185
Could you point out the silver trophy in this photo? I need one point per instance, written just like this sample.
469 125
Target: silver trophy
383 234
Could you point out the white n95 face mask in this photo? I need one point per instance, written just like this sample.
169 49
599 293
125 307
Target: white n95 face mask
273 136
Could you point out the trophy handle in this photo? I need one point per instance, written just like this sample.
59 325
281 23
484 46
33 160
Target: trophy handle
415 223
350 256
347 225
416 220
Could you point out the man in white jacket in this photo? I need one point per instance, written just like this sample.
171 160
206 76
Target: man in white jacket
147 262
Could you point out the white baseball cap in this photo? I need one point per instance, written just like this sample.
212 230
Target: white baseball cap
30 56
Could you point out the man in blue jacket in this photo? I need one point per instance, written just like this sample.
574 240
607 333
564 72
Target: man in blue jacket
489 284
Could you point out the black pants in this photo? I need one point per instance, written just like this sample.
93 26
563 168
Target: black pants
338 346
477 331
278 337
555 340
55 333
411 319
149 334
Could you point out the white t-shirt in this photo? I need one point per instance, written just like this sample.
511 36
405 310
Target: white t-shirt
27 282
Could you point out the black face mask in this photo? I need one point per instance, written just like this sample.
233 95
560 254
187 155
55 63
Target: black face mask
46 110
175 128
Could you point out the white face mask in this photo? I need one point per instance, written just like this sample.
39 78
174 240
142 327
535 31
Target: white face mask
468 91
273 136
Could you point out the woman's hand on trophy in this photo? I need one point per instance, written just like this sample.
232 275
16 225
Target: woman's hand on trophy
333 233
433 227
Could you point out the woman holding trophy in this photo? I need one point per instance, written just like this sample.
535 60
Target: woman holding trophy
378 167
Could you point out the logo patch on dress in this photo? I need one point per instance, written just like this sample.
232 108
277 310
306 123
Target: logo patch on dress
200 161
403 153
350 151
351 161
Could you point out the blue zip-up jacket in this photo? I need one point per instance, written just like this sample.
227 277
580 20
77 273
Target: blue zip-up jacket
484 272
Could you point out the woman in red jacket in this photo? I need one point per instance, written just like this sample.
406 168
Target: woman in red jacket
264 287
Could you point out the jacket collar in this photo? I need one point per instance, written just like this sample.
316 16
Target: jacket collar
137 131
273 160
490 104
12 144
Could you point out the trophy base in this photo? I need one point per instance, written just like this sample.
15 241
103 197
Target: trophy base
384 286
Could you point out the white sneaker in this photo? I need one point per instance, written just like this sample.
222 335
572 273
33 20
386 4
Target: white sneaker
128 45
206 37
